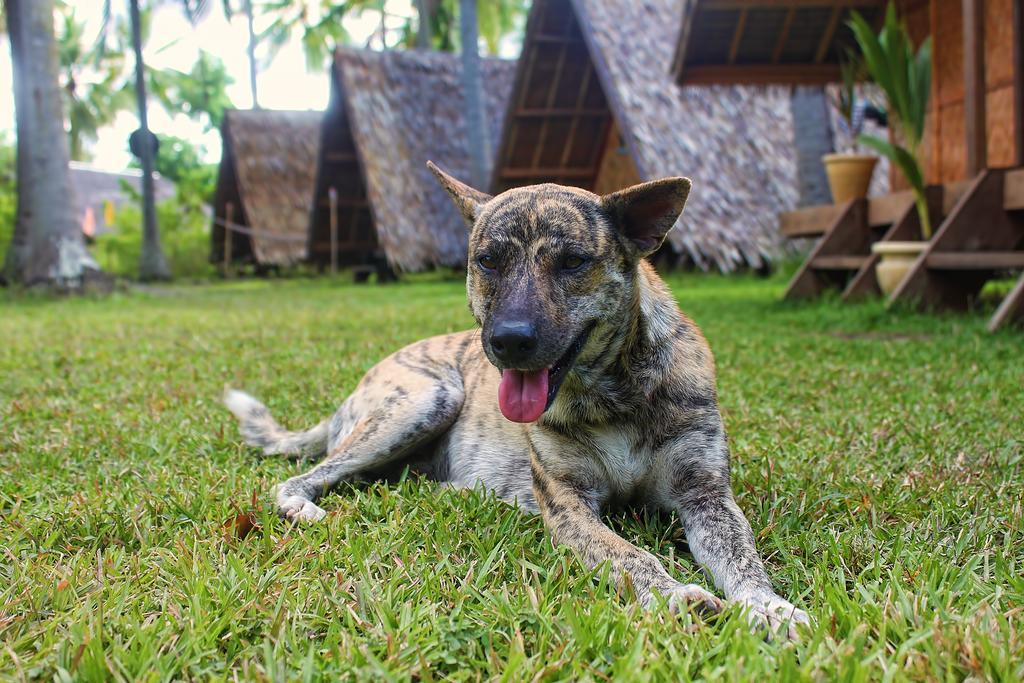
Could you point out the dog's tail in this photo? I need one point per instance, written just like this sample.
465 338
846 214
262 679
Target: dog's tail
259 429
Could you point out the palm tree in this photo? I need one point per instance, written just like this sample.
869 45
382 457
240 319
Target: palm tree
47 246
152 262
472 86
316 23
496 19
90 104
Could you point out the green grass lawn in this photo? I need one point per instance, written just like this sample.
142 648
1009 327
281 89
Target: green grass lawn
877 454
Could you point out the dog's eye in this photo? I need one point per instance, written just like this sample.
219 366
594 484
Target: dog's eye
487 262
572 263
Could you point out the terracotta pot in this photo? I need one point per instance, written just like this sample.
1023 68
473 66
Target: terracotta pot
897 258
849 175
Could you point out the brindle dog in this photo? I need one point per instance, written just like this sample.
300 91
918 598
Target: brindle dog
584 386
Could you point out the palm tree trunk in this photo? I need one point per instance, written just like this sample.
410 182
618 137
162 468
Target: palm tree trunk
473 89
152 263
47 246
425 10
251 50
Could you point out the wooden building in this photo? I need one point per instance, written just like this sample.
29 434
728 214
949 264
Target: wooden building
595 105
973 147
264 186
391 112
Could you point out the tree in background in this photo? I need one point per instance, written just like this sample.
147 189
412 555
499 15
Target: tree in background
94 82
496 19
316 24
472 88
47 246
200 94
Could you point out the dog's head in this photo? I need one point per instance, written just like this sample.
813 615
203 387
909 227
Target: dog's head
549 267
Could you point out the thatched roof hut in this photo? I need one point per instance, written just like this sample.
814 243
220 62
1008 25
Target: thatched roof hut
595 105
389 113
265 182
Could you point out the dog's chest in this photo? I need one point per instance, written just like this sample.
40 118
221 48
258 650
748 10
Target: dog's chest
626 463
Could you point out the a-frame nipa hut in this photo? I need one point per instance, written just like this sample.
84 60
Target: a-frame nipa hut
389 113
595 105
264 185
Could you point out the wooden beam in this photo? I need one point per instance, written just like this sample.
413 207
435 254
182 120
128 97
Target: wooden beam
760 74
828 35
780 43
1012 307
975 260
537 113
1018 80
775 4
737 35
340 157
810 222
1013 189
683 44
974 85
518 173
839 262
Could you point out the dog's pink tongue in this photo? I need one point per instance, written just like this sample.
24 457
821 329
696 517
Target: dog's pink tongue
522 396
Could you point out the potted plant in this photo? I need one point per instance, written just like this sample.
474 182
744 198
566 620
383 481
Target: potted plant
905 76
849 171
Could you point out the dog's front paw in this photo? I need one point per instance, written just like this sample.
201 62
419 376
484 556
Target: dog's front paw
683 597
298 509
774 615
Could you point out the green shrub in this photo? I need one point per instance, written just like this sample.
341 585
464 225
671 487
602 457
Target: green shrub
184 235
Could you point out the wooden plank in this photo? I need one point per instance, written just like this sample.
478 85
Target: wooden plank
760 74
340 157
1013 189
887 209
780 43
809 222
838 262
1011 309
828 35
975 260
564 111
764 4
1018 78
517 173
974 85
737 35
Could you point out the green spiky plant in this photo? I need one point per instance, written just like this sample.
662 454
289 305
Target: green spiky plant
905 76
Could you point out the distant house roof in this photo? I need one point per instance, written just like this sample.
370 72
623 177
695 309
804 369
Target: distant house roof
594 67
96 189
267 173
390 112
766 41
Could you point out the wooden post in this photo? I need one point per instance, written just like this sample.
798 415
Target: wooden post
1018 78
974 86
229 214
332 196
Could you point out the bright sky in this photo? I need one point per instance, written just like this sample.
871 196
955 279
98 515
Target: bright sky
284 84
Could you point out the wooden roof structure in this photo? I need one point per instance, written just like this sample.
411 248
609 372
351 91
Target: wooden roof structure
595 106
766 41
264 185
389 113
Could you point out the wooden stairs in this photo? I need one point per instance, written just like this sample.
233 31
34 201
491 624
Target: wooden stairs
980 235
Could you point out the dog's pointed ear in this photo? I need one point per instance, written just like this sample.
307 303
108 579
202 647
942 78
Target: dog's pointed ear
467 200
645 213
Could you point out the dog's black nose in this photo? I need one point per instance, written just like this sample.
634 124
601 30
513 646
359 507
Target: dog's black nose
513 341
